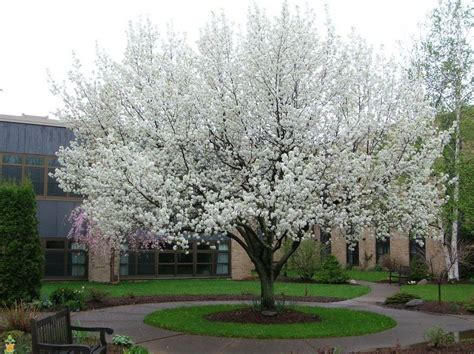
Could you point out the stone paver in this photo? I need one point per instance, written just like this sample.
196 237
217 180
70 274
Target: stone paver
128 320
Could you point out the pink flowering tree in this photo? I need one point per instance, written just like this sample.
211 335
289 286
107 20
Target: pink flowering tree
257 135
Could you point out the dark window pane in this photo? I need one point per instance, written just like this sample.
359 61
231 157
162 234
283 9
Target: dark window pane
222 269
165 269
53 186
34 160
223 257
166 257
54 264
124 264
132 261
11 173
184 258
56 244
53 162
12 159
185 269
76 265
223 246
36 176
204 258
146 263
203 247
204 269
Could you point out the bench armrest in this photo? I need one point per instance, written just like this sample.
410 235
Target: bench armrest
76 348
102 330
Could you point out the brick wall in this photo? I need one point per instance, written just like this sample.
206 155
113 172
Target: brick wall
339 246
367 257
241 263
99 266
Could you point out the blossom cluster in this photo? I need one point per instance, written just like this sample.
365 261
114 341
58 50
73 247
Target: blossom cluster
275 125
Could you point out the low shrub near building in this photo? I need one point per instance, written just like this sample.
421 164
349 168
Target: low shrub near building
21 258
18 316
418 269
438 337
331 271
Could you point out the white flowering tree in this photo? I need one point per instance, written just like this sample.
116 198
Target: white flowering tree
258 135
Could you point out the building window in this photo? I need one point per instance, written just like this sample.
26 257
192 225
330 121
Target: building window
382 247
352 254
417 250
63 259
203 259
36 168
325 240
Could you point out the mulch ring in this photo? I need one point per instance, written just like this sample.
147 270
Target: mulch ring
249 315
453 308
134 300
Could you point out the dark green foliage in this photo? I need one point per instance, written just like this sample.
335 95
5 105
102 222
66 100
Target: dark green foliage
72 298
400 298
418 269
306 260
21 258
136 349
331 271
96 295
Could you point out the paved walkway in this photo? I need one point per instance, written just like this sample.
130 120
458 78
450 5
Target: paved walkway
128 320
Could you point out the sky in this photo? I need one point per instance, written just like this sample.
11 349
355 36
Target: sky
37 36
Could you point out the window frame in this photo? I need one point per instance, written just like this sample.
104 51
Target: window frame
195 263
46 169
66 250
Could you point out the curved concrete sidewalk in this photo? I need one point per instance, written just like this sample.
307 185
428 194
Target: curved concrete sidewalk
128 320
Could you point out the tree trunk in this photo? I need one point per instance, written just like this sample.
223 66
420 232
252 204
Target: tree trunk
267 294
454 270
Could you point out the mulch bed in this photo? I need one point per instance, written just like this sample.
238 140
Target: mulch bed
249 315
127 300
426 348
452 308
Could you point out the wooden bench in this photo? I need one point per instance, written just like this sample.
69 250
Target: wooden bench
53 335
402 274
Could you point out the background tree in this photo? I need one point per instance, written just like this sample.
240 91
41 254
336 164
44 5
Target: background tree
21 258
444 60
258 136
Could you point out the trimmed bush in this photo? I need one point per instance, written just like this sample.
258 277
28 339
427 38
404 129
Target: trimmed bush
418 269
21 258
331 271
400 298
306 260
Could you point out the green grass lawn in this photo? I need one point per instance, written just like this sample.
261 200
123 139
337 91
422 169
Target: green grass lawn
449 292
367 275
210 287
334 323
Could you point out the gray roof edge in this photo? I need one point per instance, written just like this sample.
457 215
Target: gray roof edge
30 119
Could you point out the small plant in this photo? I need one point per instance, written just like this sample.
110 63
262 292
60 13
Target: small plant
124 341
390 263
43 303
19 315
256 305
73 298
97 295
306 260
378 268
418 269
136 349
331 271
9 345
21 341
438 337
400 298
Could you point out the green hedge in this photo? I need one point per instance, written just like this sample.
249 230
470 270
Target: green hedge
21 258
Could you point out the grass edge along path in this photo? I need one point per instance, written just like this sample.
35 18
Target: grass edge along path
449 292
210 287
336 322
